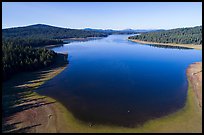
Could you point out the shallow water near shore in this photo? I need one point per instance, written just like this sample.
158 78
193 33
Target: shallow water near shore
116 81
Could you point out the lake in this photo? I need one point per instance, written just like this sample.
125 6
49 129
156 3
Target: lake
118 82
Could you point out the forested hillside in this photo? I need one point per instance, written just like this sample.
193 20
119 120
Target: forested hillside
40 35
191 35
17 58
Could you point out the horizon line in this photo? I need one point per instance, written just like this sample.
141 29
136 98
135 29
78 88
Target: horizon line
97 28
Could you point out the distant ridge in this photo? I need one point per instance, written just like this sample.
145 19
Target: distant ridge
132 31
41 35
47 31
33 26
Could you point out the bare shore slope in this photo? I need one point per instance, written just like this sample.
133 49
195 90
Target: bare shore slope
198 47
194 73
25 110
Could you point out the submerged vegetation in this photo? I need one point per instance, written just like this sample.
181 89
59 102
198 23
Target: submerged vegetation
179 36
188 119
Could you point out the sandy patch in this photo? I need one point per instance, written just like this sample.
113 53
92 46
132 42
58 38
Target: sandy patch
194 73
198 47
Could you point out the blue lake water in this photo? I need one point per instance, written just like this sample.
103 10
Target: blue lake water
116 81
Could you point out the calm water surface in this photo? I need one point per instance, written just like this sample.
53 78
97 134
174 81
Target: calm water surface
116 81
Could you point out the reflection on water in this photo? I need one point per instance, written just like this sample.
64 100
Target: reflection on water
169 46
70 40
116 81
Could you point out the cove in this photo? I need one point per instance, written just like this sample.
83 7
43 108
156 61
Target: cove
118 82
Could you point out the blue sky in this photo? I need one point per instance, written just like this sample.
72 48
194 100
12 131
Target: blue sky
103 15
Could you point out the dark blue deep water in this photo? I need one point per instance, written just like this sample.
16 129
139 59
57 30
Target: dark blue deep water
116 81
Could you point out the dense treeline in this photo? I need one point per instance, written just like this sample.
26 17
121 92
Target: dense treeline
191 35
40 35
34 42
17 58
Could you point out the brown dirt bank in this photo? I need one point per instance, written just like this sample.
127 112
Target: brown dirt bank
25 110
194 73
198 47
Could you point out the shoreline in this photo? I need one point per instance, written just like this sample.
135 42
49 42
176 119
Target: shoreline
51 116
194 73
164 124
71 40
192 46
25 111
51 46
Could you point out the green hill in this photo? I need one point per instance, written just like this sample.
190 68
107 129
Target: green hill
191 35
40 35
